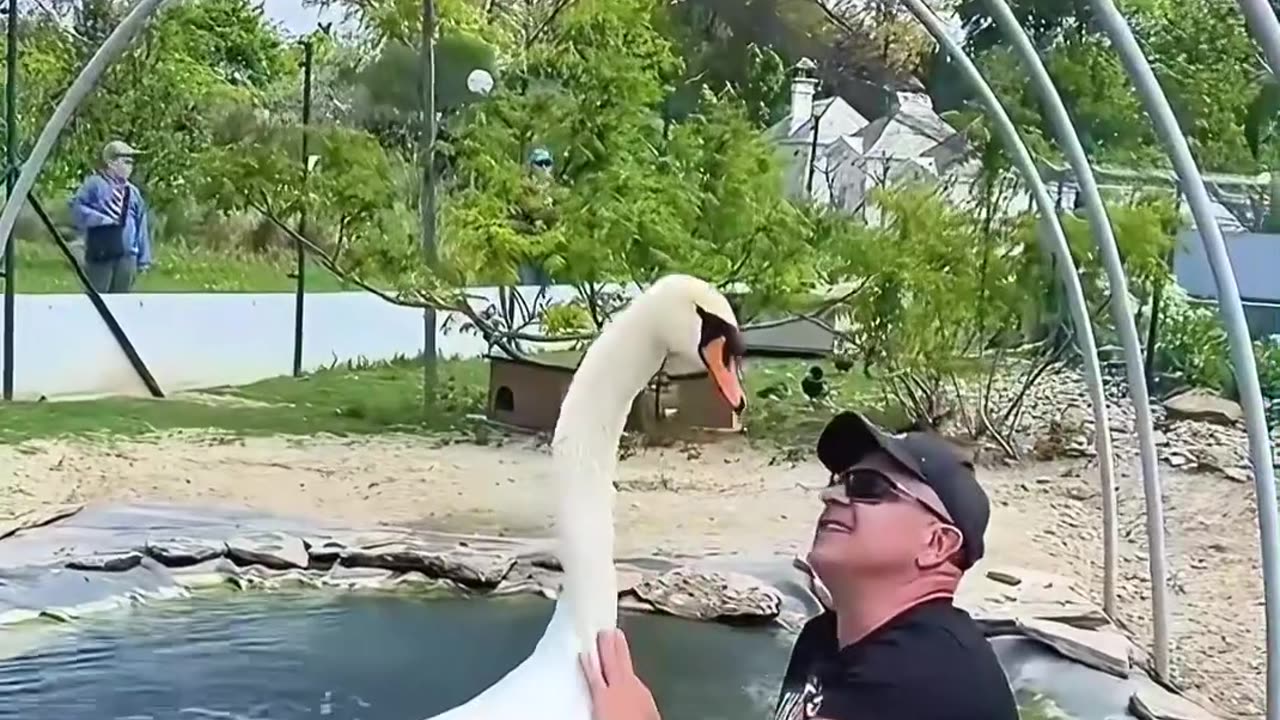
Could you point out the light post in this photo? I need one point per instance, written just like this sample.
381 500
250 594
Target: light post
10 176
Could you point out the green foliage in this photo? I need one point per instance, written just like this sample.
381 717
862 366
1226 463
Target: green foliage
566 319
1145 230
1200 50
947 292
1192 350
195 56
1192 344
634 194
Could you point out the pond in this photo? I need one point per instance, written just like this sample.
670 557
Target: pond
288 656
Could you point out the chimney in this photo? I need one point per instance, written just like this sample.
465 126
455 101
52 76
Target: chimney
803 87
907 99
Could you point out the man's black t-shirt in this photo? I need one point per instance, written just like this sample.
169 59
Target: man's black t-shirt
929 663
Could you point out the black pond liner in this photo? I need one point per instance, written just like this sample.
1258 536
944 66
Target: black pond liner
94 626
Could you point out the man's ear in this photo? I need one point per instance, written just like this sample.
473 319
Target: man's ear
944 544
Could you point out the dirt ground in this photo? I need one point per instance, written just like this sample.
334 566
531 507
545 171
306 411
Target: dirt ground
727 496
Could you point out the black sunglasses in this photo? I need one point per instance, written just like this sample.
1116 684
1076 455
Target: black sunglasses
871 487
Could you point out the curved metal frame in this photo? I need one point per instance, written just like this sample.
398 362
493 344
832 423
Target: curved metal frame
1229 307
1265 28
1070 277
1122 316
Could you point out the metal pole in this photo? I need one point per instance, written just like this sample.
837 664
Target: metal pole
427 203
1065 264
1121 314
104 312
10 177
1265 28
1232 312
300 294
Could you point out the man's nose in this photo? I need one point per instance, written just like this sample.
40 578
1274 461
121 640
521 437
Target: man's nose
834 494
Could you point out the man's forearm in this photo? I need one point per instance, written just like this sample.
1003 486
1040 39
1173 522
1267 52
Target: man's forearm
86 217
144 241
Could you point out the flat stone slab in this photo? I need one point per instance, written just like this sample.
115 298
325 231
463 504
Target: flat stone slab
271 549
207 574
328 549
37 518
465 565
1105 650
1152 702
702 595
108 562
177 552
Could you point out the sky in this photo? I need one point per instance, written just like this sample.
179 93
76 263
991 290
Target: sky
296 19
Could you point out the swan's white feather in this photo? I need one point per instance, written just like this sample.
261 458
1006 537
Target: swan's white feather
549 684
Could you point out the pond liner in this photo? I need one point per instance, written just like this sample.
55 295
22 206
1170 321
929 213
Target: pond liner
1051 640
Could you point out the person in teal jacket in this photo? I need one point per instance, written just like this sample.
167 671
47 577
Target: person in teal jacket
110 214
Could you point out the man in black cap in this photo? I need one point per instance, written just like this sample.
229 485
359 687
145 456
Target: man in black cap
903 518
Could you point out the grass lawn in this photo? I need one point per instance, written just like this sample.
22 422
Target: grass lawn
387 397
779 412
41 268
344 400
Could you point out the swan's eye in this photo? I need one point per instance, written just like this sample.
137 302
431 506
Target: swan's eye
714 328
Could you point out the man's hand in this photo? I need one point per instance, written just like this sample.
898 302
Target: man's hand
617 693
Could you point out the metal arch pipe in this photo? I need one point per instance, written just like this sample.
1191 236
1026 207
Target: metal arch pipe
1062 251
1232 312
115 45
1121 314
1265 28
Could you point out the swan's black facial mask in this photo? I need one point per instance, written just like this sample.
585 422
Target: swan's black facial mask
721 348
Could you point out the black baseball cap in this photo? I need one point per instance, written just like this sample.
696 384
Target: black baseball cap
933 460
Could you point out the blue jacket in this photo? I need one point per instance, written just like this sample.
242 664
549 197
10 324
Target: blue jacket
89 209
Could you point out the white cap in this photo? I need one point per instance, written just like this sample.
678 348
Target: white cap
118 149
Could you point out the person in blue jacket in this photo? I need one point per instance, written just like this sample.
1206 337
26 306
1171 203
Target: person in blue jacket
110 214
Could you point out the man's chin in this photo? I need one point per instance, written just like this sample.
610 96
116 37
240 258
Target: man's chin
822 555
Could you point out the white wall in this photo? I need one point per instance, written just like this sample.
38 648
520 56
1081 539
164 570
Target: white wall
201 340
1255 259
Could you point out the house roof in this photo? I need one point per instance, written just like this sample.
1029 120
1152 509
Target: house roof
919 121
827 110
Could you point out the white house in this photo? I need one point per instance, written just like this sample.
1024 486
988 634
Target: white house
834 155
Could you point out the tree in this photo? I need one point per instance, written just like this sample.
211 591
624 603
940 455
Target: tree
194 57
632 194
1200 49
950 297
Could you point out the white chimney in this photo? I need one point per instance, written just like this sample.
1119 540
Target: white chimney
803 87
914 99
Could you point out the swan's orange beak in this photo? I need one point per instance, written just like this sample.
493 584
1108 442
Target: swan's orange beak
723 367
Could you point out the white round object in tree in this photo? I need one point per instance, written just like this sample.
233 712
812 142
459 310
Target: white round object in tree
479 81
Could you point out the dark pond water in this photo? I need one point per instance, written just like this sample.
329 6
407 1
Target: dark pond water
354 657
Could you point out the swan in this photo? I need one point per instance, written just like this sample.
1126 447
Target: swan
679 317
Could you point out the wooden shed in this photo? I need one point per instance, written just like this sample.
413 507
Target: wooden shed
526 392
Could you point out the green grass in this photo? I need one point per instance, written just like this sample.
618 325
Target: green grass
344 400
780 413
41 268
387 397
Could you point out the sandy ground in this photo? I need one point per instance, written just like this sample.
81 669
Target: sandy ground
727 496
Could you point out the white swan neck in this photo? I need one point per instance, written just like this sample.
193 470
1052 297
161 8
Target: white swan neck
617 366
